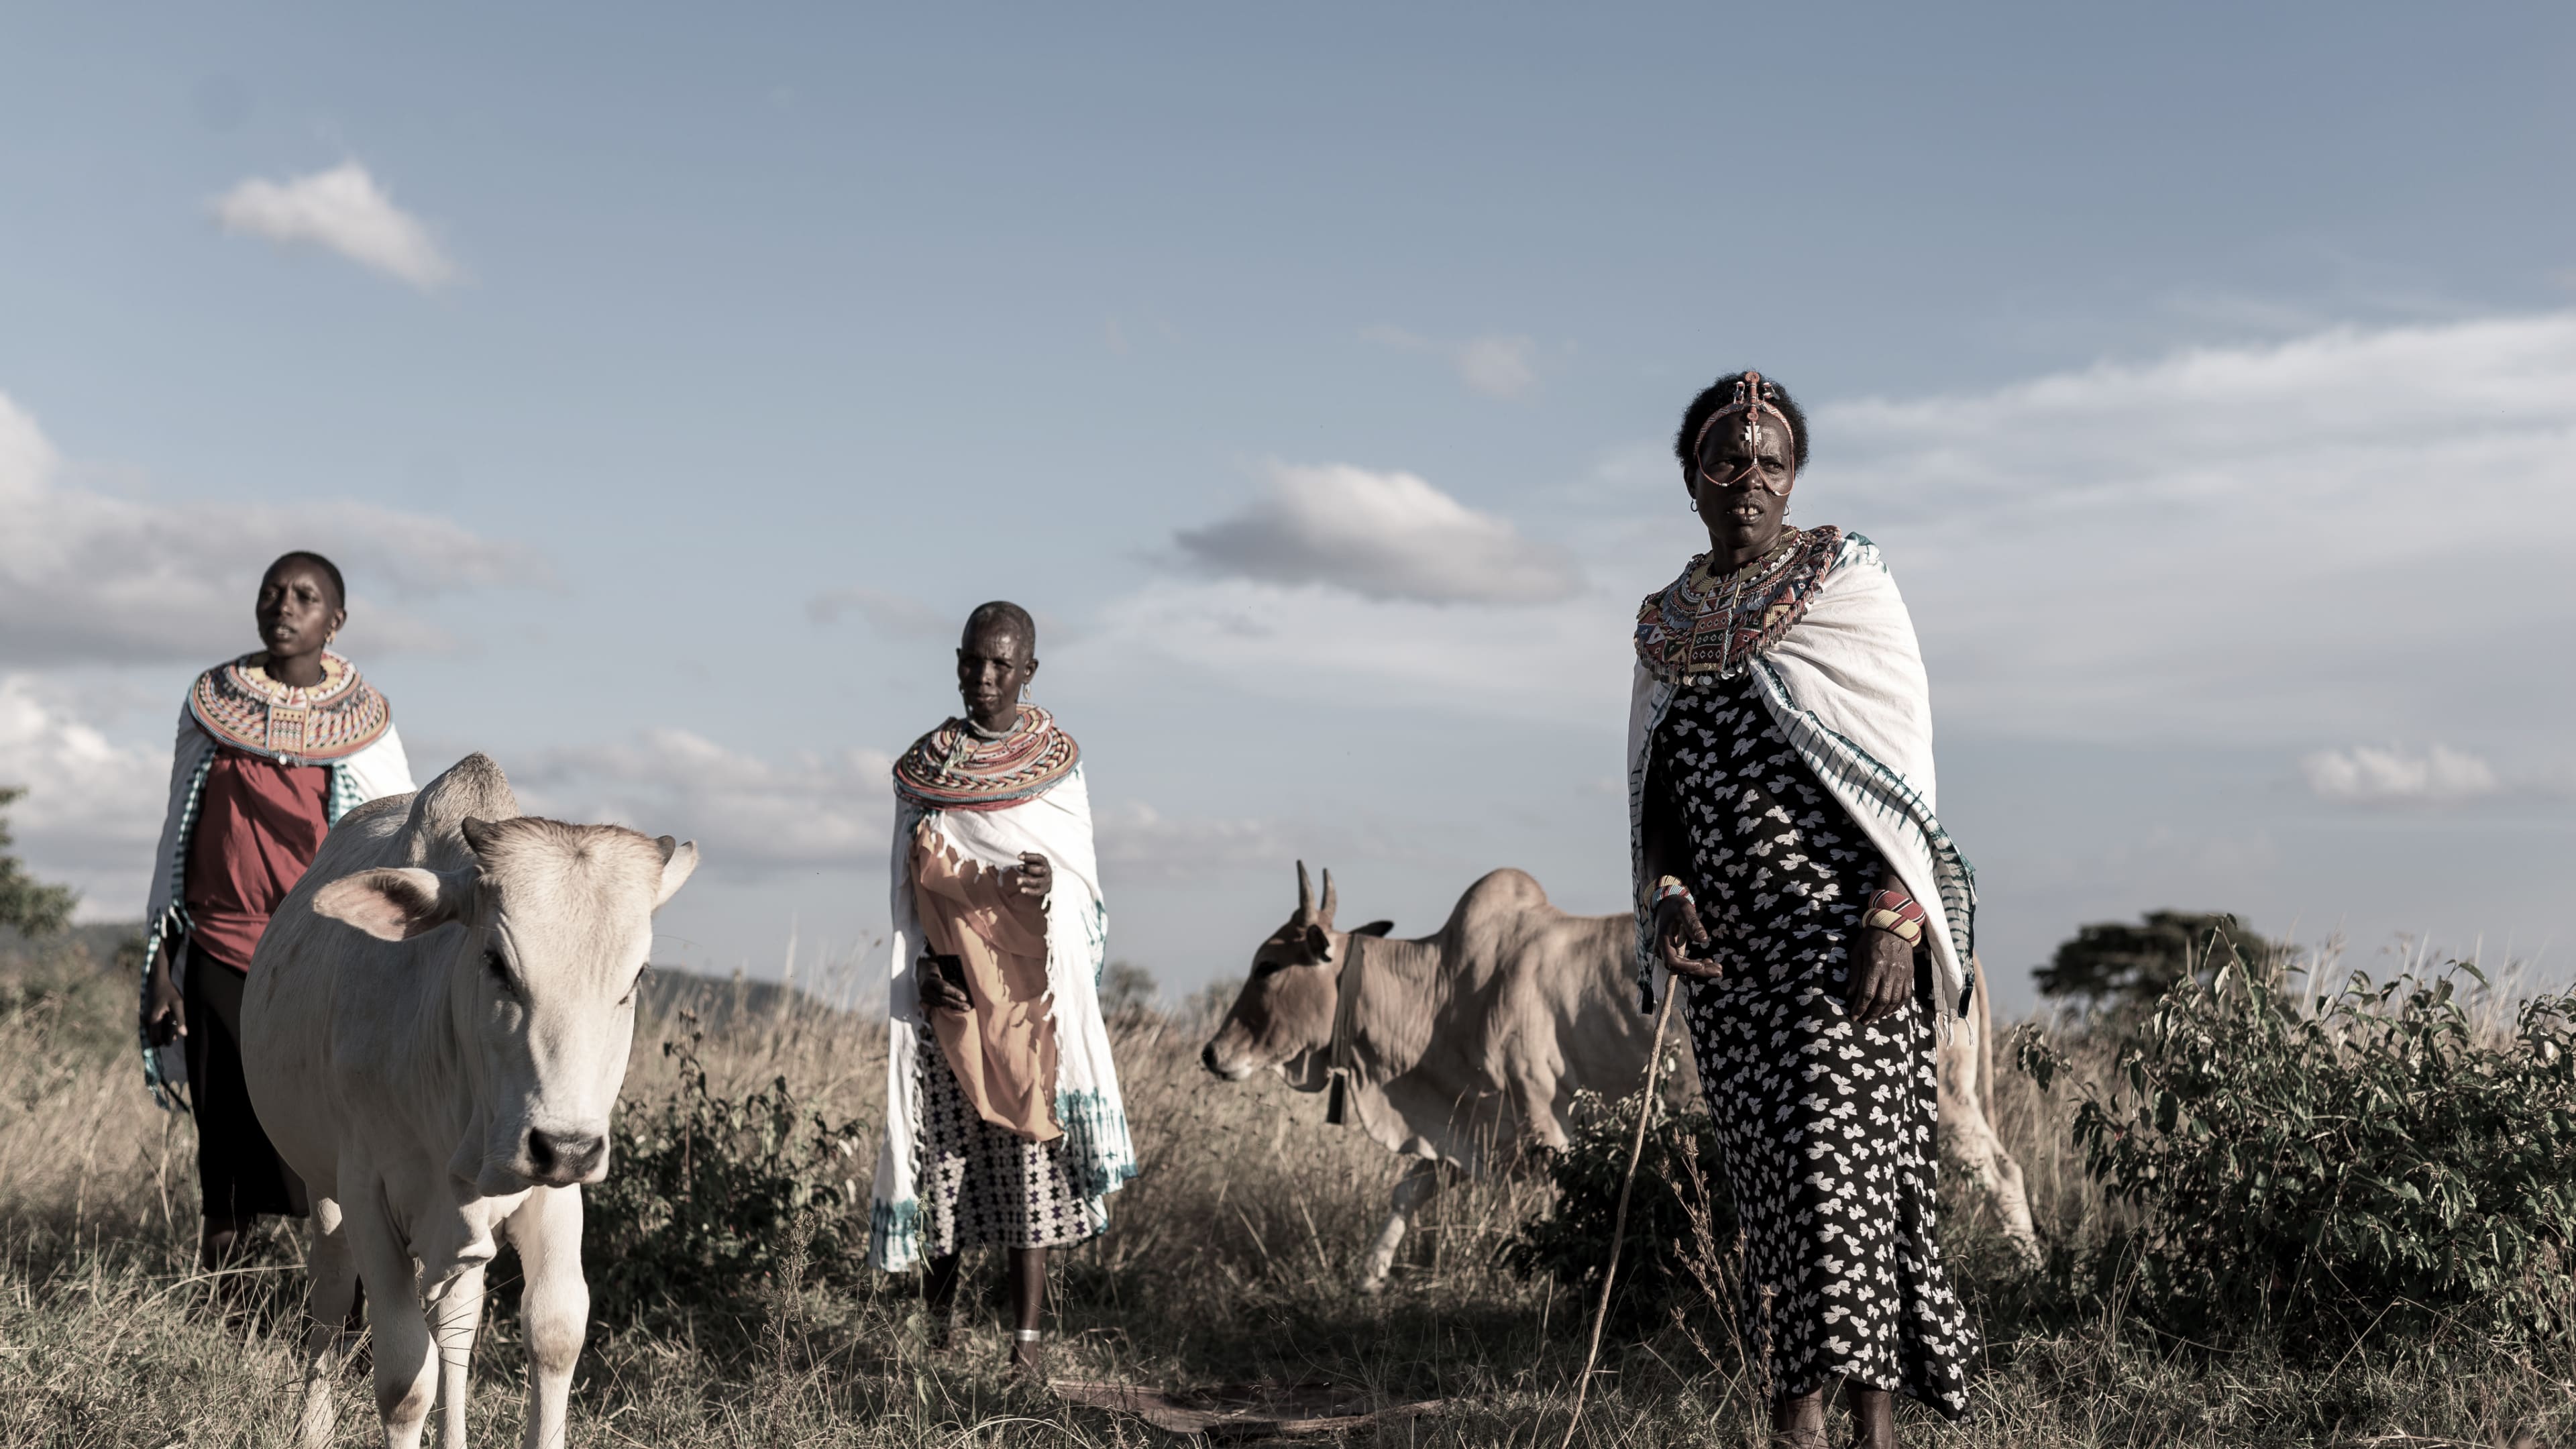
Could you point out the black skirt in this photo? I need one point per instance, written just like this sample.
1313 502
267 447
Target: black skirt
239 1174
1827 1126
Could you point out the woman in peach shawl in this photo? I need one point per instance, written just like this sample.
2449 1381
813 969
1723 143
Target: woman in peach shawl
1004 1126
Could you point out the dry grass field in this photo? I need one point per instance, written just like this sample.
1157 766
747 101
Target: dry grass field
1230 1260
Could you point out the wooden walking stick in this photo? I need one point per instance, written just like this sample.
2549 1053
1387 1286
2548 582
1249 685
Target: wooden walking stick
1619 1221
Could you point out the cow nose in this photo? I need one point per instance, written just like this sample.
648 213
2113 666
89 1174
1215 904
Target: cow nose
561 1157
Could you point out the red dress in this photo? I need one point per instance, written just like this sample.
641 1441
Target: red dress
259 824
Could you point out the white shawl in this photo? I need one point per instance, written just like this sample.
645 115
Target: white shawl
378 770
1847 688
1057 825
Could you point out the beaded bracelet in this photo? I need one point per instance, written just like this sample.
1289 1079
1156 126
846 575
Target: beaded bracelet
1669 888
1898 914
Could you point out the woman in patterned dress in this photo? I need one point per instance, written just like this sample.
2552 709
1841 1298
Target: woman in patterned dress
272 749
1791 872
1004 1125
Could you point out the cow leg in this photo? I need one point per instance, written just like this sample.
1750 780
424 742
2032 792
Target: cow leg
1963 1067
1412 1190
555 1306
1534 1093
1974 1144
333 1293
453 1320
405 1370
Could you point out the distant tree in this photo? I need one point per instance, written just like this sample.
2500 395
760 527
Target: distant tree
2118 964
1127 990
31 906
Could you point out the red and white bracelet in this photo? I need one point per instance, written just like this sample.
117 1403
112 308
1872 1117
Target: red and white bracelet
1898 914
1670 888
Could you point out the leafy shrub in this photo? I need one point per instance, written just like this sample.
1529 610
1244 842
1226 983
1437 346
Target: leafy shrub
1127 992
26 903
2365 1165
1678 1216
713 1202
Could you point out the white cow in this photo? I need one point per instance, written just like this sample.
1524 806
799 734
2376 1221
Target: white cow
435 1029
1470 1044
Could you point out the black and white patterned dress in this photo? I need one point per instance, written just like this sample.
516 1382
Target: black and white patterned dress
983 1186
1827 1127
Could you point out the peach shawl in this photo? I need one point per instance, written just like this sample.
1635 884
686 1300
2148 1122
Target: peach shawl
1004 1052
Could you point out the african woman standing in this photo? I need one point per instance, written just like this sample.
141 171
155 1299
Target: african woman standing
273 748
1789 867
1004 1124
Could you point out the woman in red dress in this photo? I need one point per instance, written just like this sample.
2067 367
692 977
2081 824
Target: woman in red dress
273 748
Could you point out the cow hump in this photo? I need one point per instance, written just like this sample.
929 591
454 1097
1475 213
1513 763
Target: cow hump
473 787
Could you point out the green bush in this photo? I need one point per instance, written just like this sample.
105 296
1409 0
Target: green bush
2364 1164
714 1204
26 903
1680 1221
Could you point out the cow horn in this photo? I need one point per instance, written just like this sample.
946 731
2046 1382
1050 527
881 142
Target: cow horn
1327 915
1305 892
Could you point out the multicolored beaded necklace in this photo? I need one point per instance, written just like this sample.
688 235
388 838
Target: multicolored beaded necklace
960 767
1705 625
239 705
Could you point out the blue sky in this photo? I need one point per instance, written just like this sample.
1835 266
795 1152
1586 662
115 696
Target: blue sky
669 384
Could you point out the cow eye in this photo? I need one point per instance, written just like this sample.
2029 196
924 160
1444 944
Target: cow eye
500 970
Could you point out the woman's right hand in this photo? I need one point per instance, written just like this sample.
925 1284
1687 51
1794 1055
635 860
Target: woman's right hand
937 991
1677 929
165 1017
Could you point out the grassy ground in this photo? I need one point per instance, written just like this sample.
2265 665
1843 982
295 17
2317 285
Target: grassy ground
1231 1259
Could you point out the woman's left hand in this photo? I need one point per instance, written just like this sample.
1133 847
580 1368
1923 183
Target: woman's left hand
1885 978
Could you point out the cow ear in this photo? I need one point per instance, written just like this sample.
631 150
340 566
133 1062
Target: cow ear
478 835
396 905
1319 943
679 859
1375 928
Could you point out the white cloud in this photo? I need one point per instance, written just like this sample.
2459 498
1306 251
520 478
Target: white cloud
754 816
1135 837
2366 774
1381 536
93 808
1503 367
91 578
2357 532
341 210
748 814
1557 661
897 615
2354 529
1498 365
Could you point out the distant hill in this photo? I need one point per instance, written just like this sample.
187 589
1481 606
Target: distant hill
718 1000
116 946
110 945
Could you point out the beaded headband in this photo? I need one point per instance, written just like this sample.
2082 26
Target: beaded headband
1752 398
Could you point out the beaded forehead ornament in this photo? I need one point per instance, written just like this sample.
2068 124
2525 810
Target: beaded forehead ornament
1752 399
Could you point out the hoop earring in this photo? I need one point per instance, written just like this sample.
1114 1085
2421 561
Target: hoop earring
1694 505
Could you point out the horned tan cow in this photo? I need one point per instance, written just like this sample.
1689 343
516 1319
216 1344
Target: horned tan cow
444 1071
1467 1046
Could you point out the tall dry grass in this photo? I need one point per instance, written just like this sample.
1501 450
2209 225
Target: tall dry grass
1232 1258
